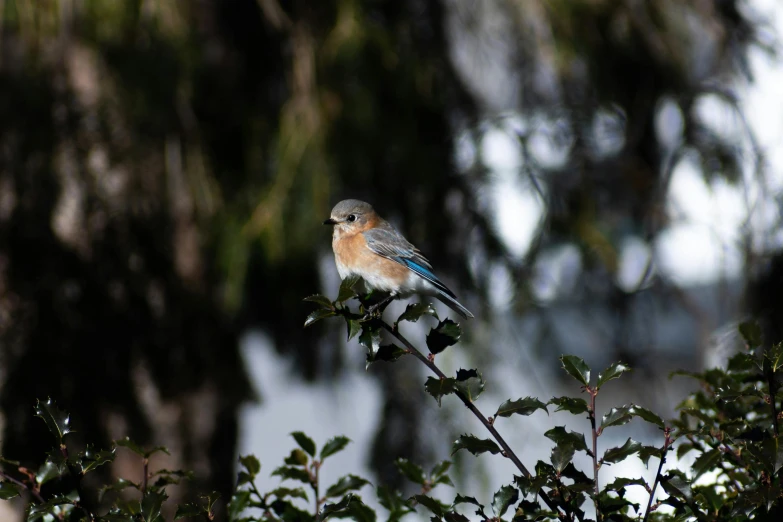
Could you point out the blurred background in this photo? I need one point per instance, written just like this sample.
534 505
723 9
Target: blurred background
595 177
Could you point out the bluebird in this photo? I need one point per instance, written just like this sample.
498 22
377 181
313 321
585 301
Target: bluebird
366 245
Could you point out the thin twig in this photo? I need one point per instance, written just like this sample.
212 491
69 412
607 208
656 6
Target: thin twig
507 451
593 393
666 443
33 492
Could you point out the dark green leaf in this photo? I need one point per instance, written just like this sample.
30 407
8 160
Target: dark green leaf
393 502
58 421
151 505
346 288
576 368
559 436
751 332
614 371
616 417
446 334
321 313
414 311
649 451
370 338
503 498
353 326
474 445
775 356
461 499
615 455
524 406
189 510
705 462
319 299
91 459
54 467
297 457
129 444
441 468
240 501
411 471
469 383
439 387
569 404
289 492
251 464
334 445
304 442
386 353
433 505
562 455
346 484
622 482
351 506
677 486
8 490
49 504
647 415
292 473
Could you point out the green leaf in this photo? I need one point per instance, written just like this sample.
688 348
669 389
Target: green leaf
705 462
346 288
440 469
562 455
91 459
414 311
239 502
135 448
321 313
54 467
289 492
614 371
351 506
393 502
469 383
304 442
524 406
503 498
297 457
439 387
677 486
370 338
251 465
47 507
615 455
474 445
446 334
775 356
319 299
649 451
569 404
646 415
151 505
576 368
346 484
58 421
292 473
385 353
354 327
8 490
411 471
437 508
623 482
751 332
334 445
189 510
560 436
616 417
461 499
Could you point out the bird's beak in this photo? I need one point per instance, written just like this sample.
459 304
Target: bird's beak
330 221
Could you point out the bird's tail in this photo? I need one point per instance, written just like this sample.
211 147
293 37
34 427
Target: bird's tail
455 305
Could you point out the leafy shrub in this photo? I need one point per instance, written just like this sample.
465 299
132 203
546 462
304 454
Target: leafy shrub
731 424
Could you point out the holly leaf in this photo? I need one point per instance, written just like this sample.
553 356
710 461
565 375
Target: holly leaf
314 317
619 454
524 406
503 498
58 421
439 387
569 404
318 299
616 417
614 371
414 311
334 445
469 383
385 353
562 455
411 471
8 490
474 445
751 332
346 288
304 442
560 436
446 334
576 368
346 484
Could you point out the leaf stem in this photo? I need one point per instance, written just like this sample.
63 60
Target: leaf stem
666 444
507 451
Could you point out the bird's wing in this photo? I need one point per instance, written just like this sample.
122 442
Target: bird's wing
387 242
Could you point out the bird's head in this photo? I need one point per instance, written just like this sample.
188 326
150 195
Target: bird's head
352 216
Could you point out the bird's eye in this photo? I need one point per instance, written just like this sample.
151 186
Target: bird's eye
351 218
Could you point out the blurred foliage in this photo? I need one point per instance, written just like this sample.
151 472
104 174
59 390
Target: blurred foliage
164 167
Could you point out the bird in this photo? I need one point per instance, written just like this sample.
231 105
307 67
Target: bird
366 245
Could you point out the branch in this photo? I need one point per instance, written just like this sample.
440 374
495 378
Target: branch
33 492
507 451
666 443
593 393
